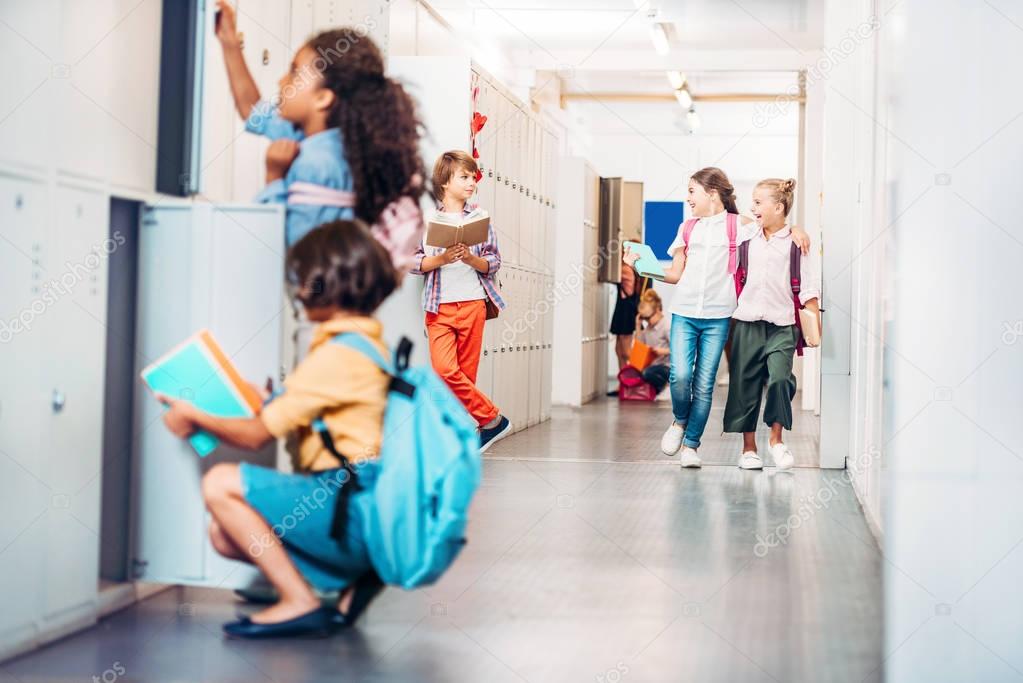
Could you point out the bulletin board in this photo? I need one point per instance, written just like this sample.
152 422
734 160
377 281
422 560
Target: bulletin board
661 221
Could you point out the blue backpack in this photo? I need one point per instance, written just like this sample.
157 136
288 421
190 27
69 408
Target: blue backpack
429 469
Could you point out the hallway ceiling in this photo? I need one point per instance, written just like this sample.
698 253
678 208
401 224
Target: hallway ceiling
556 30
604 46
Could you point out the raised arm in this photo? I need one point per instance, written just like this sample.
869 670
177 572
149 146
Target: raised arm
243 86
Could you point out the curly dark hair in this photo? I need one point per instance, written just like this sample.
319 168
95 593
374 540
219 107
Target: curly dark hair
377 118
341 264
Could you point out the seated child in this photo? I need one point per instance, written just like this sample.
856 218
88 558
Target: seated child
341 275
654 330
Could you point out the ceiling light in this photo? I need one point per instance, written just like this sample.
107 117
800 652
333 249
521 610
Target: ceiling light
660 38
684 98
677 79
693 119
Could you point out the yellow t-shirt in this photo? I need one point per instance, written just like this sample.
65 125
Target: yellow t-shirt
340 384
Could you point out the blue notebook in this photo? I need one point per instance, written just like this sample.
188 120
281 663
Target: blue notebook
198 371
647 265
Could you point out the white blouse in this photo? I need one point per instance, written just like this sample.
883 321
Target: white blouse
767 294
707 289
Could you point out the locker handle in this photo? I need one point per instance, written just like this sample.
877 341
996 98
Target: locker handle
490 173
58 401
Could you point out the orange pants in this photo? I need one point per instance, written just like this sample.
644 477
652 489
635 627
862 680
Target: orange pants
455 332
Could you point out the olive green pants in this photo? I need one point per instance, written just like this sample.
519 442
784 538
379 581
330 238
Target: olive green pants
761 355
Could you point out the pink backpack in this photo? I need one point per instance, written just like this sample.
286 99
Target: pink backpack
632 386
399 227
732 223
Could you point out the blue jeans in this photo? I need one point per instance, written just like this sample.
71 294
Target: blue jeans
696 346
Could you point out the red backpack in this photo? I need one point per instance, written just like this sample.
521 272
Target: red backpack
732 223
632 386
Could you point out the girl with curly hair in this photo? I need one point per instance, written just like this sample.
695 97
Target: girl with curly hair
345 136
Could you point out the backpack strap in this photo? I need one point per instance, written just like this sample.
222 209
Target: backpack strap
732 223
795 281
359 342
687 231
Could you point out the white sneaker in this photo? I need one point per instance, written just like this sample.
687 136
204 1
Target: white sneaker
750 460
689 458
783 459
672 439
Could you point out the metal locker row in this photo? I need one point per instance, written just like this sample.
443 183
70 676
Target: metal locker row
516 157
515 361
53 272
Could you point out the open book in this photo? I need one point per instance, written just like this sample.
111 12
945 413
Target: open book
446 230
198 371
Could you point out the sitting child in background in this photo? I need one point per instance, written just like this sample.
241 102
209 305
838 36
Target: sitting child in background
653 329
341 274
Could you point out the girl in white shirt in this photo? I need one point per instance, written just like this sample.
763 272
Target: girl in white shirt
702 305
765 334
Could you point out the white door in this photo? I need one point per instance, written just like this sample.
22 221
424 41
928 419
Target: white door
199 267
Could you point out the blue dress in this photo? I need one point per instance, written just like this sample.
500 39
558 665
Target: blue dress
300 510
321 161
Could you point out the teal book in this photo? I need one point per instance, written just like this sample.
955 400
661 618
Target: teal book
647 265
198 371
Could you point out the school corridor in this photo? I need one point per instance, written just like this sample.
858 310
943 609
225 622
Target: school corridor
585 536
222 222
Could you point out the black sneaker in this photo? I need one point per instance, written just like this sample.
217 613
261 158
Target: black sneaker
489 436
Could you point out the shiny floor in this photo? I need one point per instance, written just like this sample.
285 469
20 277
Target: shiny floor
591 558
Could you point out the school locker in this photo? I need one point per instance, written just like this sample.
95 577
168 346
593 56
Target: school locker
505 219
511 373
534 199
485 371
515 369
23 398
522 361
518 186
486 143
500 365
75 327
528 224
224 265
548 337
525 248
535 368
527 359
267 57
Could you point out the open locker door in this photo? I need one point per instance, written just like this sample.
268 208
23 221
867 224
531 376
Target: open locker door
219 268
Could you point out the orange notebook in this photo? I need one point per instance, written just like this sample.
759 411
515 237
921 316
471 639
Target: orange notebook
641 355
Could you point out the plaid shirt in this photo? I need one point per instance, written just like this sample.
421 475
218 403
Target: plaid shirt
487 250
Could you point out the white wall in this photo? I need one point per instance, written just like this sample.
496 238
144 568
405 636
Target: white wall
953 362
637 142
